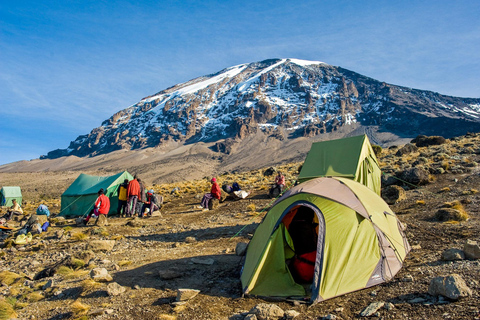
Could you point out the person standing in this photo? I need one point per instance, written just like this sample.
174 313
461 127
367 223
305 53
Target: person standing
215 192
122 198
101 206
141 198
133 192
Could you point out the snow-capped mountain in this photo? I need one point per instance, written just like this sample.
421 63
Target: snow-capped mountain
285 98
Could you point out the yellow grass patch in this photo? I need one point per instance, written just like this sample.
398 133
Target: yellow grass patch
8 277
89 284
166 317
117 237
446 189
34 296
69 273
124 263
79 236
79 308
420 202
6 311
251 207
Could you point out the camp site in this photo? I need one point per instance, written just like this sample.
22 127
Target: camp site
330 246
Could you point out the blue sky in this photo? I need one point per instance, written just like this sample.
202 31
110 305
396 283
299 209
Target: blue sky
65 66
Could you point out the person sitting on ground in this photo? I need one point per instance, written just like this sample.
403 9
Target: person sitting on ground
122 198
15 209
280 180
215 192
101 206
152 203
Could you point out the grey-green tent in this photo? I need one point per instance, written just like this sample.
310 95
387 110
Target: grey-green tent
7 194
80 196
351 158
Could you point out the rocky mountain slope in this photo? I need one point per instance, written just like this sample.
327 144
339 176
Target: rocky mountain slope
280 98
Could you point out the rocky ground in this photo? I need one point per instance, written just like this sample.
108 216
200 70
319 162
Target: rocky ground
187 248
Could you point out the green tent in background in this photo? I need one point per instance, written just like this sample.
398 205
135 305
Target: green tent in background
7 194
357 242
351 158
80 196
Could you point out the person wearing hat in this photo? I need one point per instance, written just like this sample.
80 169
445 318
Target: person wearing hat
215 192
101 206
152 202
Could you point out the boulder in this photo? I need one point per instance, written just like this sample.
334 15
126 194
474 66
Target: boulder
100 275
266 311
471 249
190 239
406 149
241 248
415 176
114 289
186 294
205 261
393 194
291 314
424 141
100 245
101 220
448 214
452 287
372 308
270 171
169 274
453 254
213 203
388 180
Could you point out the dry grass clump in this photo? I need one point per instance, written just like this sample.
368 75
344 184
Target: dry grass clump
124 263
8 277
164 316
6 311
34 296
77 263
420 202
79 236
461 214
445 189
68 228
69 273
251 207
469 192
89 284
117 237
79 308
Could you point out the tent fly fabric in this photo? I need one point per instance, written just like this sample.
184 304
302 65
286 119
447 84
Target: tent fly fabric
324 238
351 158
7 194
80 196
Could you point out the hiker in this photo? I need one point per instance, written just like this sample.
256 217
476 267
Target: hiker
141 198
152 203
278 185
101 206
15 209
215 192
122 198
133 192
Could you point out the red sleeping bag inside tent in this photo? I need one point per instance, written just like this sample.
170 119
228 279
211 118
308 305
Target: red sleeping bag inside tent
304 266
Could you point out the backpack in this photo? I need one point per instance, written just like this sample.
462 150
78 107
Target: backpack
43 210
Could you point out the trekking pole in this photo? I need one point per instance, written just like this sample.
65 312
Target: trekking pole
262 211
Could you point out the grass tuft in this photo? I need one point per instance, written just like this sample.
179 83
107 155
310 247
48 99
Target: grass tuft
420 202
34 296
6 311
79 236
124 263
79 308
8 277
69 273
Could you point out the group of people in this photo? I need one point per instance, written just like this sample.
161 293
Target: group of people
133 200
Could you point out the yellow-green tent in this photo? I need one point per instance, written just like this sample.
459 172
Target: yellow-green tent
351 158
359 242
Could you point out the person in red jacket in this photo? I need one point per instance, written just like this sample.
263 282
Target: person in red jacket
215 192
133 192
101 206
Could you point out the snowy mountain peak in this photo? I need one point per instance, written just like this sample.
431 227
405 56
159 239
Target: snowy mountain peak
284 98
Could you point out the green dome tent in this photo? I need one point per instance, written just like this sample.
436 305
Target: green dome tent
7 194
359 242
351 158
80 196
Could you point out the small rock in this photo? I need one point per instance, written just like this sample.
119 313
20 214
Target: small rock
291 314
393 194
47 285
330 317
114 289
472 250
416 247
453 254
251 317
407 278
452 287
372 308
186 294
339 310
100 245
96 312
100 275
417 300
241 248
389 306
190 239
206 261
137 287
109 311
265 311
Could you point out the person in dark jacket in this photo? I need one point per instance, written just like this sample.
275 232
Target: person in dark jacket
152 203
122 198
